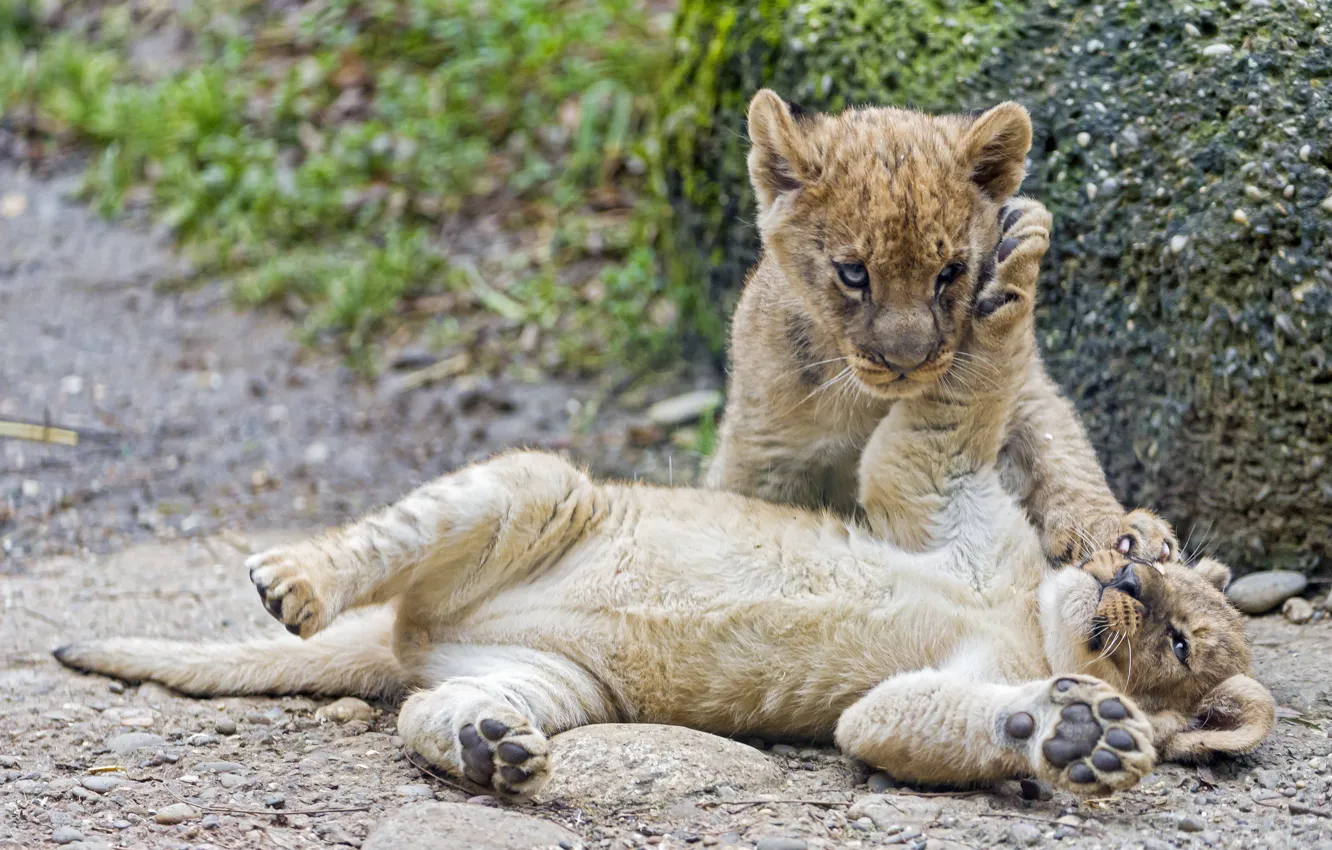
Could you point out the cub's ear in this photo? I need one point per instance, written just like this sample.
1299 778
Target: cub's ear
776 153
996 147
1216 573
1232 719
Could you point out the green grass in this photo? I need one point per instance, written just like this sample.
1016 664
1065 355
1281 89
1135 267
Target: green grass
315 158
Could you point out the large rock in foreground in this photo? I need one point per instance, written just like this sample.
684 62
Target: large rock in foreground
460 826
1184 150
617 764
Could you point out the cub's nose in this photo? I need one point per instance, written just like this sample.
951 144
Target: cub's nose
1126 581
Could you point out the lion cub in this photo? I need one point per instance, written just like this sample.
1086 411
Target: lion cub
879 226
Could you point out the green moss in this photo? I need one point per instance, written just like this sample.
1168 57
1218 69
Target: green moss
824 54
1203 370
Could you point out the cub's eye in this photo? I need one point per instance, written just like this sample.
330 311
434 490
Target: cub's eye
950 273
1180 646
854 275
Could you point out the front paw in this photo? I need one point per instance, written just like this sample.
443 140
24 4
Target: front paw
1007 299
1146 538
289 580
1084 736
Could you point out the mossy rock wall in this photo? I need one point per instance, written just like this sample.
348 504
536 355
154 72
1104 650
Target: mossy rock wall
1184 149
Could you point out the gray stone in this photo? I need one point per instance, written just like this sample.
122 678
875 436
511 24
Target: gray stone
1259 593
448 826
130 741
879 782
225 725
1189 823
683 409
219 767
620 764
415 790
100 784
175 813
66 835
1024 834
781 843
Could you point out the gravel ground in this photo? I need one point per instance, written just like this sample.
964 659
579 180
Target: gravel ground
209 427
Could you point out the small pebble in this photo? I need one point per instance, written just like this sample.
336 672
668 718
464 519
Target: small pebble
275 801
225 725
863 824
1240 217
781 843
66 835
784 750
1024 834
346 710
210 822
1084 139
1297 610
116 687
1189 823
1178 243
1289 191
1304 153
879 782
1191 31
175 813
1091 191
1218 50
202 740
258 718
1326 205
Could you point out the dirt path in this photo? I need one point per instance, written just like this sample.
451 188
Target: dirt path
205 419
202 417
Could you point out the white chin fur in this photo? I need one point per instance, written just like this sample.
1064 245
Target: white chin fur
1068 600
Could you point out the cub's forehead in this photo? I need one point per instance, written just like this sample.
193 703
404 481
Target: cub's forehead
892 171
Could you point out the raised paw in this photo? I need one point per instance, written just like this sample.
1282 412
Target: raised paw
1084 736
1146 538
288 579
1024 239
1072 538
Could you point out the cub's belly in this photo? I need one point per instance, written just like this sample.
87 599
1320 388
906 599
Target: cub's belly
780 667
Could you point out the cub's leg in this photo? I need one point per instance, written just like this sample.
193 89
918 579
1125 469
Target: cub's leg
933 726
1048 460
459 538
489 718
923 459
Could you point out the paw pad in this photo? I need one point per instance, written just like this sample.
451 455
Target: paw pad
511 760
1097 742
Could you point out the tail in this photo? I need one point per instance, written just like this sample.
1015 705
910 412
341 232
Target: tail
354 656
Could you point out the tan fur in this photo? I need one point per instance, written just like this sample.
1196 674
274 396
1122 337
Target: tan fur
906 194
935 640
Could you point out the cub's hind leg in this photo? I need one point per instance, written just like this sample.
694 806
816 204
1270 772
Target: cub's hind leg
488 719
460 538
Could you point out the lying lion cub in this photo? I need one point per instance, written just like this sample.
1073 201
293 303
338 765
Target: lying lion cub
519 598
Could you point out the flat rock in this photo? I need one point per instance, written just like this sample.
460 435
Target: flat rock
620 763
131 741
346 710
1258 593
453 826
175 813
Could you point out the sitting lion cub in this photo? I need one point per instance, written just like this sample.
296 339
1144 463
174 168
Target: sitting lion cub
518 598
878 225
